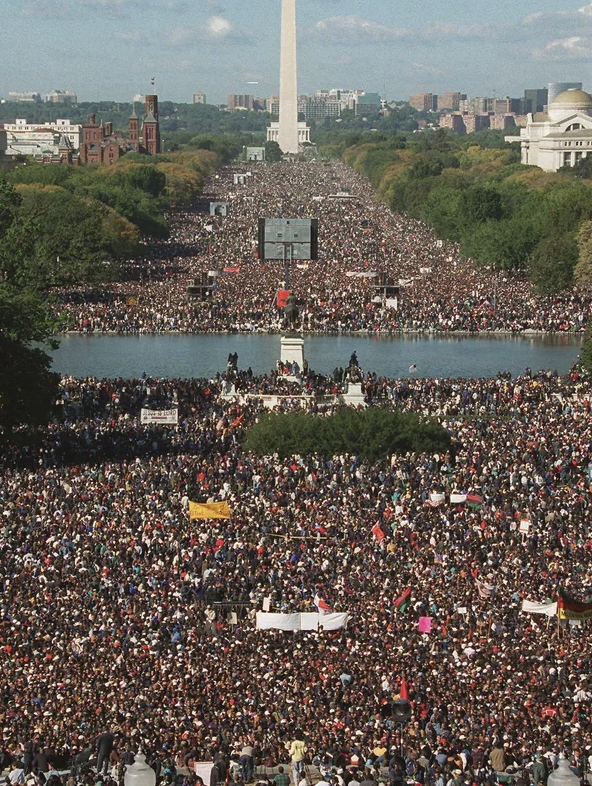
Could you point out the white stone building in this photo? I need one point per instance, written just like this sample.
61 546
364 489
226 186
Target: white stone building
273 133
35 139
562 136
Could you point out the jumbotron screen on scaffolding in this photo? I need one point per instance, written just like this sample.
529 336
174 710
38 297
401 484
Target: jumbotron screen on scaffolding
288 238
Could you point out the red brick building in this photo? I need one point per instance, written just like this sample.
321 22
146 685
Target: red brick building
99 145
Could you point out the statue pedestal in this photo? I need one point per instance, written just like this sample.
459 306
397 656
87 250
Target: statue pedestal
292 351
353 396
228 390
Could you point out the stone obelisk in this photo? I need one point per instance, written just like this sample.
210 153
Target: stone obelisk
288 132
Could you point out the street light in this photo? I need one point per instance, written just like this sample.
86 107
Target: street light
563 775
141 774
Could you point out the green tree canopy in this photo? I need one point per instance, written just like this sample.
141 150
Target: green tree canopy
27 385
273 152
369 434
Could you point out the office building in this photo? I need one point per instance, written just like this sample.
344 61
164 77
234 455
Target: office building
240 101
535 100
368 104
24 98
502 122
505 106
476 122
60 97
317 109
555 88
35 139
454 121
423 102
450 101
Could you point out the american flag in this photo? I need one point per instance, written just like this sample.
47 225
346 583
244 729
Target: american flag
485 590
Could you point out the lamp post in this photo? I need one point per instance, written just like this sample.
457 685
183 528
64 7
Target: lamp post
563 775
142 774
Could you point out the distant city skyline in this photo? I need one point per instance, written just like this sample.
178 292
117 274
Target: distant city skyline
111 49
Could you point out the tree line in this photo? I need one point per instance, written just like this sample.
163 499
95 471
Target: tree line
62 225
474 191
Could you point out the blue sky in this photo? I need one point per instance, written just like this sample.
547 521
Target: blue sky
112 48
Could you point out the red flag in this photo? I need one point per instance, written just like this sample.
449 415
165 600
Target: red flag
282 297
403 600
321 604
403 694
238 421
378 533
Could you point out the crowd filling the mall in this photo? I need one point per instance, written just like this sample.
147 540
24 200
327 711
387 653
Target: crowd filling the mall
358 236
123 620
125 624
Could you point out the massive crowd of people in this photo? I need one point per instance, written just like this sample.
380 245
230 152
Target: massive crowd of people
358 236
126 624
119 615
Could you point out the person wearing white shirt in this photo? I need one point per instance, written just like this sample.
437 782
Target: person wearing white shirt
16 776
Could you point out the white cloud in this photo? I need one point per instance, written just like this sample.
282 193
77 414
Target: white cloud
427 69
357 29
438 30
218 27
571 48
354 29
559 22
569 33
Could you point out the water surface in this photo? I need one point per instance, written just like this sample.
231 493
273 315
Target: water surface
170 355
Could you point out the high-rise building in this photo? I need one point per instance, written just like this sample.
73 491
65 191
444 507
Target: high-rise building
347 98
199 98
273 105
449 101
368 104
535 100
317 109
502 122
423 102
23 97
506 106
61 97
476 122
555 88
240 101
454 121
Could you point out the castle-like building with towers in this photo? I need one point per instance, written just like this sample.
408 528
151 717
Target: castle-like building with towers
99 145
561 136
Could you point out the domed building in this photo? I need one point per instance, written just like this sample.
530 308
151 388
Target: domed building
562 136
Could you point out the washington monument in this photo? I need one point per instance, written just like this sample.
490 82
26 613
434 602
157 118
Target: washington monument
288 130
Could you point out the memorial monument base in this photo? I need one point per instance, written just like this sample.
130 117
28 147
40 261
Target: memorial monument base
292 351
354 396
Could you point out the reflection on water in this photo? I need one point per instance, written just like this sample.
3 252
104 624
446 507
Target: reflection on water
203 355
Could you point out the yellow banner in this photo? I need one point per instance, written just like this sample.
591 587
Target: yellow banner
209 510
568 614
